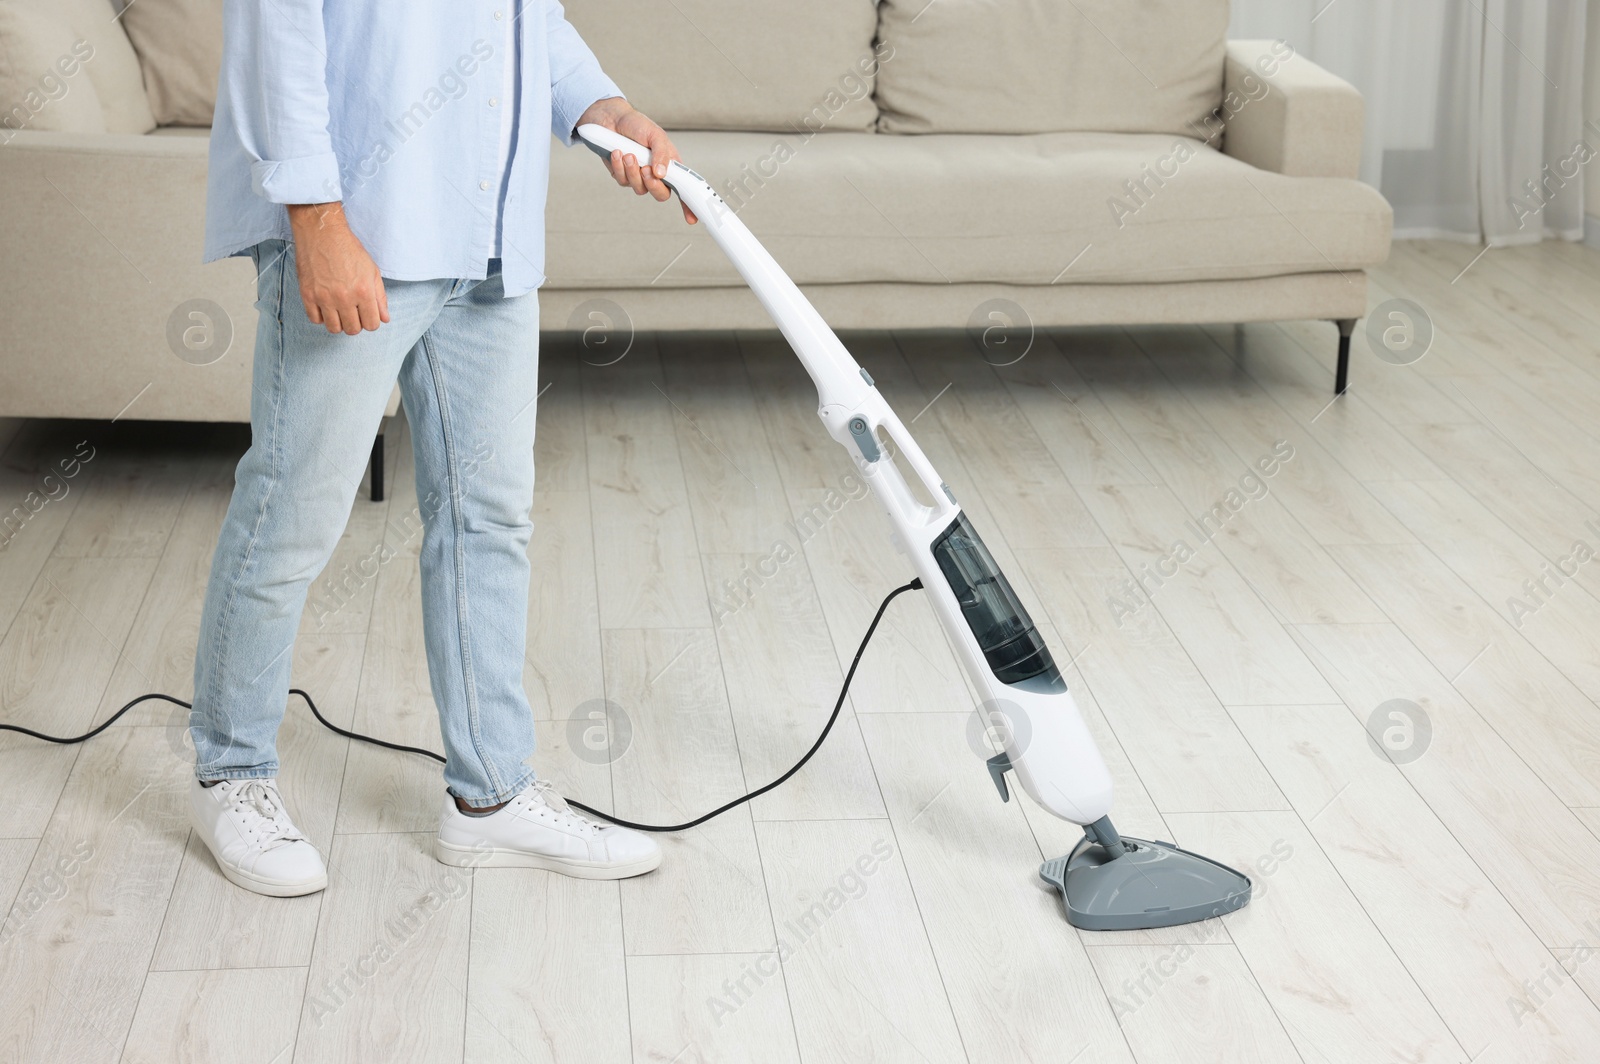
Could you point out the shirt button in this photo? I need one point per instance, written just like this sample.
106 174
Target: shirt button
494 101
484 185
497 16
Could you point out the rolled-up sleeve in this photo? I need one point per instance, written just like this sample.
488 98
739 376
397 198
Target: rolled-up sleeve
294 157
576 80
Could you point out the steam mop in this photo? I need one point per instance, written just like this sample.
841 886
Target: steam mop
1108 882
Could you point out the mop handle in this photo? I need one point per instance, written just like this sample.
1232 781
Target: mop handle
603 142
1056 762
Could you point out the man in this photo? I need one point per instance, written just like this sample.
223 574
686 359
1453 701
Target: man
385 166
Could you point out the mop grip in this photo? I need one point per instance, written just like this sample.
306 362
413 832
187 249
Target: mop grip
603 142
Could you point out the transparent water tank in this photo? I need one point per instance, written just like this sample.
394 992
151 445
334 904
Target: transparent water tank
1004 631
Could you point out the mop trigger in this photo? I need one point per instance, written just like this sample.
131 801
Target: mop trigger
864 439
999 765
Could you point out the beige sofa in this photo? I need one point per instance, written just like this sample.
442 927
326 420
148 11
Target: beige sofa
1093 162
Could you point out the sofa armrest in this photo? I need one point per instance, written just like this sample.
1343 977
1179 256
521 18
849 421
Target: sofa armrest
1286 114
100 246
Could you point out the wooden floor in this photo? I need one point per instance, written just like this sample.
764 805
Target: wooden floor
1420 557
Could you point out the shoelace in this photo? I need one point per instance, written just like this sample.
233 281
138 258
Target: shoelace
261 798
544 791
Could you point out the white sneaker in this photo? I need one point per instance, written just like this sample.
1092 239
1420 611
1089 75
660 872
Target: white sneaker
247 829
537 829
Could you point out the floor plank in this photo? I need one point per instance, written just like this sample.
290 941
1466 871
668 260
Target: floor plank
1326 970
1329 503
159 654
547 981
861 979
1208 1008
1003 945
648 562
15 857
1038 509
54 665
1233 636
735 492
910 666
783 682
1549 723
708 896
130 502
560 448
388 978
74 967
37 512
1470 778
710 1008
563 671
1541 510
1170 722
1459 938
384 790
1082 436
189 1017
1559 617
1353 429
1501 324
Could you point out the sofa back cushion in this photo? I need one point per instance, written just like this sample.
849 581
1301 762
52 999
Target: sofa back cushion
1046 66
114 70
179 43
43 84
689 64
778 65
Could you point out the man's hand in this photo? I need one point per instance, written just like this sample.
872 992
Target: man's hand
618 115
339 283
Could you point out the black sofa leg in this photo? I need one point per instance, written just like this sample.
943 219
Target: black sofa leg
1341 380
377 467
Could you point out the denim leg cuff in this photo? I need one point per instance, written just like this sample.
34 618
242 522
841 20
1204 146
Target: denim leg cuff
260 773
499 796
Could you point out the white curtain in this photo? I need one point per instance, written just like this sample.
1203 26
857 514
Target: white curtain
1475 124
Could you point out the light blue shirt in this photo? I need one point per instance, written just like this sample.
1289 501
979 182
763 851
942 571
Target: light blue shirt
386 106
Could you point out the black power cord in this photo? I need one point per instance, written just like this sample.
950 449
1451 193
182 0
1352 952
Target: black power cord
844 690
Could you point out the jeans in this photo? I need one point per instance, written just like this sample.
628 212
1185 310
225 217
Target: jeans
467 360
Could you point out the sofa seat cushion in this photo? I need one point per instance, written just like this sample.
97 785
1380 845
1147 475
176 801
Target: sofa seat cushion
1048 208
1049 66
731 64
